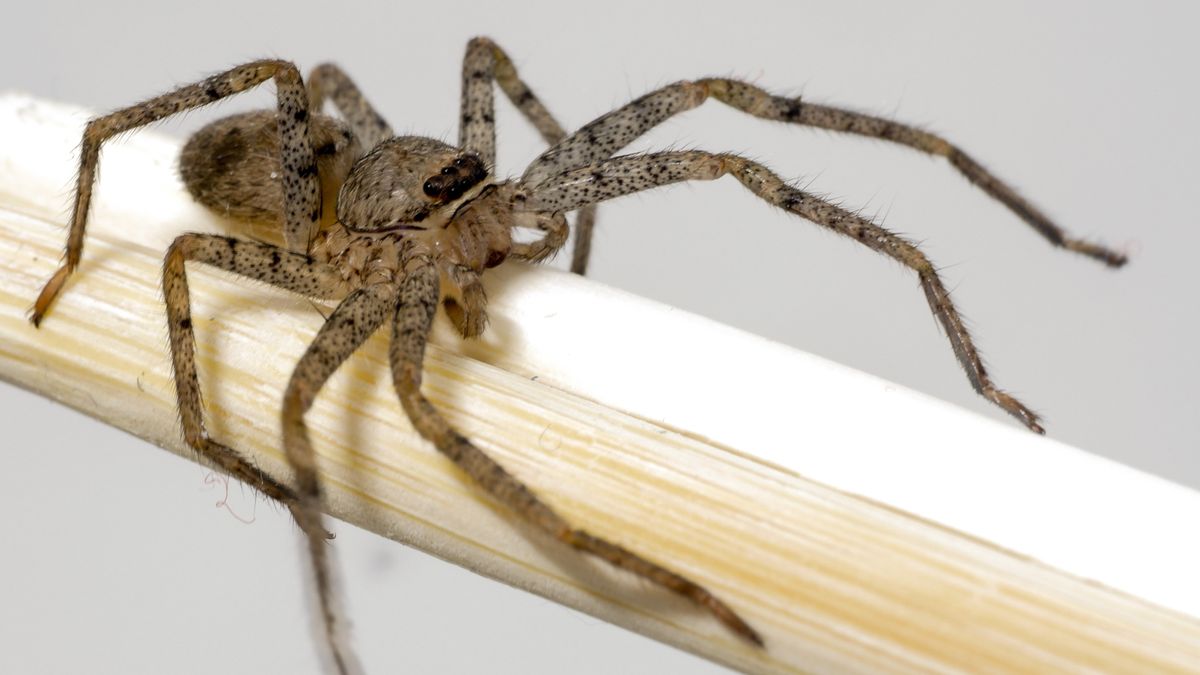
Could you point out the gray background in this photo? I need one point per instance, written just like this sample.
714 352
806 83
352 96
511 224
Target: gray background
115 559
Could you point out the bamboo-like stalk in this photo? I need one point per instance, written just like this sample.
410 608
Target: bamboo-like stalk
835 582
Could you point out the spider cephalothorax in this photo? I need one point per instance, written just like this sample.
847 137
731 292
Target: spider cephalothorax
408 182
394 227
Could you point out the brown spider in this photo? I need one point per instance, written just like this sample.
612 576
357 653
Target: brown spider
394 226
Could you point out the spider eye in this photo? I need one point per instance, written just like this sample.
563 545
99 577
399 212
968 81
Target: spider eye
448 170
432 188
460 161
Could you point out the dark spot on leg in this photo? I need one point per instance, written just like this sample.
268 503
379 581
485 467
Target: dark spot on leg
185 323
300 115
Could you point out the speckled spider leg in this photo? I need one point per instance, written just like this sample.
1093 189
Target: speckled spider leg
414 316
608 134
354 320
486 61
624 175
329 81
301 188
263 262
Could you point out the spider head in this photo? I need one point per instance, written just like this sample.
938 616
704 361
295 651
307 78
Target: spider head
409 183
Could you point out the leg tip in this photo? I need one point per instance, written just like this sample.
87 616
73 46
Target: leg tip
49 293
1019 410
1110 257
751 636
732 621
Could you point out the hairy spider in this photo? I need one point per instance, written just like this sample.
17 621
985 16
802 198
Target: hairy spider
393 227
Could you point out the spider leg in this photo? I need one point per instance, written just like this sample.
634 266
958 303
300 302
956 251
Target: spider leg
354 320
555 228
465 301
301 186
264 262
606 135
464 298
484 62
414 315
329 81
634 173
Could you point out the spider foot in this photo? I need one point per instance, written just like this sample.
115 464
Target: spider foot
733 622
1015 408
49 293
309 519
1108 256
672 581
470 324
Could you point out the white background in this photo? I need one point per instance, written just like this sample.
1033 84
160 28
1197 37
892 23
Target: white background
115 559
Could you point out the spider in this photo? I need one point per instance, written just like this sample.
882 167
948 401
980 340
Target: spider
393 227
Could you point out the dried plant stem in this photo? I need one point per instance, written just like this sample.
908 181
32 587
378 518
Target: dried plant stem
834 582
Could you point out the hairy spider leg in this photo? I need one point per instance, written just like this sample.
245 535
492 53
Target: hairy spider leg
414 317
634 173
263 262
355 319
302 202
606 135
484 62
328 81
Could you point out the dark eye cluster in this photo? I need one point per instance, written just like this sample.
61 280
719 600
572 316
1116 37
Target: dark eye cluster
455 179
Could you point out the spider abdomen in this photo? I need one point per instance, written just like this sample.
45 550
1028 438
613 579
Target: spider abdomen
232 165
